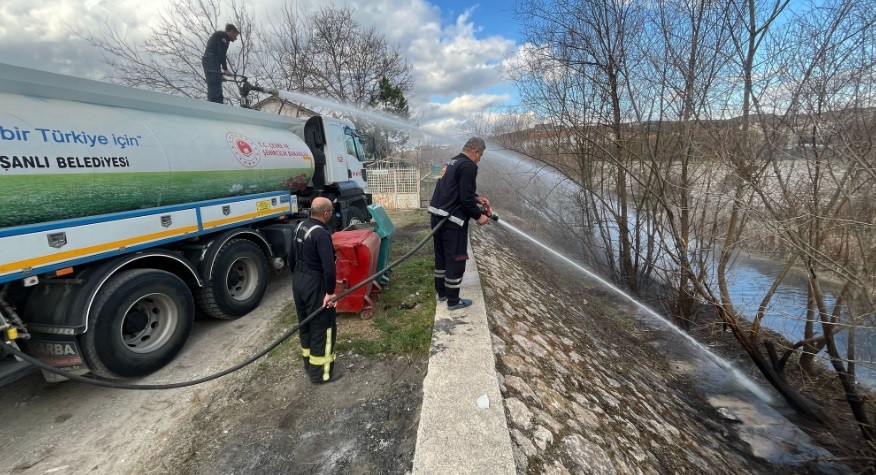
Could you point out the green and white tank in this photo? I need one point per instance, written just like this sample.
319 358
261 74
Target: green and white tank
71 148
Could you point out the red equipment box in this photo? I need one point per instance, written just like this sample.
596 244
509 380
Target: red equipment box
357 253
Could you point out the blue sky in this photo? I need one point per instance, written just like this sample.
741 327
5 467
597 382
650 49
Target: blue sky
492 16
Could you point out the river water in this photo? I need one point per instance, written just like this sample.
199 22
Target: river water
548 205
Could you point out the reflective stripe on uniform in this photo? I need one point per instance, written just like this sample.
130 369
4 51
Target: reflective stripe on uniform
321 360
305 352
441 212
312 228
452 283
325 361
326 368
299 242
306 233
439 274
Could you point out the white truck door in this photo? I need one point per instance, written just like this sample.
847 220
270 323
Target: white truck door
344 156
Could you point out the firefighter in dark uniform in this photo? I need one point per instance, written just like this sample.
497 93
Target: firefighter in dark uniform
456 196
215 62
312 259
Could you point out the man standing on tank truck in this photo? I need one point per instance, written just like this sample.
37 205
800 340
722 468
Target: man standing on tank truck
215 61
456 196
312 259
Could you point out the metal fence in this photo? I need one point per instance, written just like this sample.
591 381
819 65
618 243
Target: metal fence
395 187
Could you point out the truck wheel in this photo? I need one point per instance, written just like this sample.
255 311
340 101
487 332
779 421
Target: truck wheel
239 281
356 216
139 322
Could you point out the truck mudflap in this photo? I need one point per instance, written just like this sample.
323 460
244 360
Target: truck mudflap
57 352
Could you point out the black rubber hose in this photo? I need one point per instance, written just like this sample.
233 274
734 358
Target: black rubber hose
152 387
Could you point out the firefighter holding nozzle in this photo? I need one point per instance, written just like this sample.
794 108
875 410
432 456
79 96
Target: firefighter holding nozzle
456 196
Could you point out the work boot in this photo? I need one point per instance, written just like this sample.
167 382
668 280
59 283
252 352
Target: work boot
316 373
459 305
442 298
335 373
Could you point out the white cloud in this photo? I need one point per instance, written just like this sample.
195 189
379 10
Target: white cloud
463 106
452 118
454 60
447 127
451 61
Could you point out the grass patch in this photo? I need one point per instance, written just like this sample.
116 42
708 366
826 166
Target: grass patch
405 310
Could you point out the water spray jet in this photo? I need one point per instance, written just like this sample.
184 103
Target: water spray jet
743 380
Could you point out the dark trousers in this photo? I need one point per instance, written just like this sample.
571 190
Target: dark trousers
319 335
213 74
451 252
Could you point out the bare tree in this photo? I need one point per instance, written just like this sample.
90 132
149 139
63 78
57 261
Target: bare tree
583 65
330 54
816 201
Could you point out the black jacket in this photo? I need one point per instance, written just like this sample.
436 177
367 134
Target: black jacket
317 252
456 189
217 47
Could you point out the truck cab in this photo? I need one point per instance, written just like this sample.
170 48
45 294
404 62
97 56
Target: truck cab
339 162
346 154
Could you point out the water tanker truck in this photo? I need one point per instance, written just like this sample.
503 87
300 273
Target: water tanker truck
125 212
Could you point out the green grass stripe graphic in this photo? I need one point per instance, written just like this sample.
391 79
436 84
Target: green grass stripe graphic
39 198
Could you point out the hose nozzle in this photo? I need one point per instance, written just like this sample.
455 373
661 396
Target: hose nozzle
490 214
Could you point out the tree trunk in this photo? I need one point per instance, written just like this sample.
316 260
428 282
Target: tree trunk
847 378
809 349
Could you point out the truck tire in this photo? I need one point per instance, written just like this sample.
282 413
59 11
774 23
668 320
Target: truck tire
138 323
238 282
356 215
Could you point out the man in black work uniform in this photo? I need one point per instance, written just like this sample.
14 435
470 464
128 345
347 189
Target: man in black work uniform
215 62
312 259
456 196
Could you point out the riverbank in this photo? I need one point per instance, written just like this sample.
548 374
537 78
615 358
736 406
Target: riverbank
840 434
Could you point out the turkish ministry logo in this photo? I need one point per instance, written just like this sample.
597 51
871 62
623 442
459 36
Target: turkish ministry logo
245 150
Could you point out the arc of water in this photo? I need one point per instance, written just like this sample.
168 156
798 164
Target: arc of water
744 380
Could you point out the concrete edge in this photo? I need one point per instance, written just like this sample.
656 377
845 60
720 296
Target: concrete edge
455 435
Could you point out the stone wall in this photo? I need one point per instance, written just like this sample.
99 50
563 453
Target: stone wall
584 390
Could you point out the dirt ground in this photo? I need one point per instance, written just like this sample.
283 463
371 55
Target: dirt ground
265 419
72 427
274 421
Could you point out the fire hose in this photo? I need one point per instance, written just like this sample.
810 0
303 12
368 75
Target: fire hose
183 384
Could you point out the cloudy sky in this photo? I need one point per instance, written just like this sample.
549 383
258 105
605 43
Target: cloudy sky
458 48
